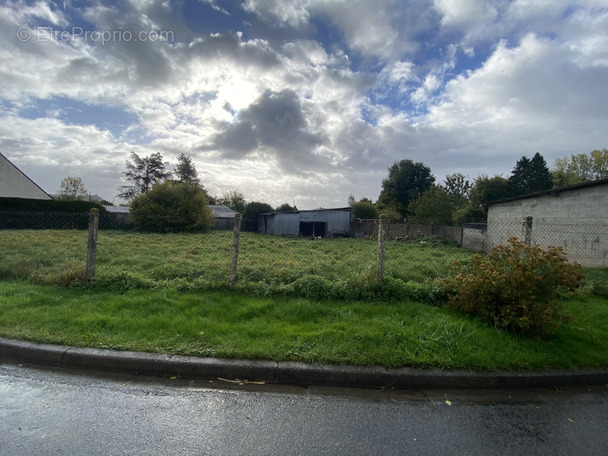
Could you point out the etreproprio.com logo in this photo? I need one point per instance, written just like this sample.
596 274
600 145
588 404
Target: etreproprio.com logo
93 36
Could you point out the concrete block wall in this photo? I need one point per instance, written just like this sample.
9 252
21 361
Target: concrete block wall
475 238
575 219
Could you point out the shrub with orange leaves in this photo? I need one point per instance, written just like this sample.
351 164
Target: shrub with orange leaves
515 287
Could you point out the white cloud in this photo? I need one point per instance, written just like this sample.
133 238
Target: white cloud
524 99
466 13
372 29
399 75
293 13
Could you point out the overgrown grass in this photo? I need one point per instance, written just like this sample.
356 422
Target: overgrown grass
343 269
404 333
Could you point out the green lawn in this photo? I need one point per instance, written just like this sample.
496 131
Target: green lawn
224 324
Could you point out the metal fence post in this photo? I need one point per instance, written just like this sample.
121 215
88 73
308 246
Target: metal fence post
92 244
236 235
528 230
381 247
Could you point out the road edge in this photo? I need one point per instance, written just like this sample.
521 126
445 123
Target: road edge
287 372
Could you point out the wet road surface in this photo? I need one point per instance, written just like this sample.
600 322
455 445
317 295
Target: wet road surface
56 412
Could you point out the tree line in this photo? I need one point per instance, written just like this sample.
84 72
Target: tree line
409 192
178 200
174 201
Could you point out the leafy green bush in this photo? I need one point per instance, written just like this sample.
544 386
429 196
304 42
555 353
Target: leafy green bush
312 287
172 207
251 213
515 287
365 210
598 288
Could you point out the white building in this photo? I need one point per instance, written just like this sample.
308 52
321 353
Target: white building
15 184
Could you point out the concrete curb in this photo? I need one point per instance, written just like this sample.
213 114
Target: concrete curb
294 373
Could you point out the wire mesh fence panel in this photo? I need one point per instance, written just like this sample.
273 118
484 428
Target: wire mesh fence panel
585 243
35 220
47 247
274 252
134 259
293 246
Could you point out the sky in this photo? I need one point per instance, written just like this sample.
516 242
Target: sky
302 102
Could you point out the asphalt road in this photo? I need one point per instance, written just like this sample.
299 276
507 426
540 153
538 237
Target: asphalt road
55 412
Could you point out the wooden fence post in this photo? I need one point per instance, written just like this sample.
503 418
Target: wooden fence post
92 244
236 235
381 247
528 230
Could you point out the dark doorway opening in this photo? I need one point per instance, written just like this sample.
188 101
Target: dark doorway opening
313 229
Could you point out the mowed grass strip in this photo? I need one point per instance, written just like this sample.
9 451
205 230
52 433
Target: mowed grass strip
238 326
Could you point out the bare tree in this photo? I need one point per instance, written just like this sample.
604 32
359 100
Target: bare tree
72 188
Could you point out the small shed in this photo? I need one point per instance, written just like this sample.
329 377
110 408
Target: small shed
312 223
224 217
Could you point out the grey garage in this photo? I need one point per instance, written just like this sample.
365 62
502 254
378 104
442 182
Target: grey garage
312 223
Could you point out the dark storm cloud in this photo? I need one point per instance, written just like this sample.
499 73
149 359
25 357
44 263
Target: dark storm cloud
276 124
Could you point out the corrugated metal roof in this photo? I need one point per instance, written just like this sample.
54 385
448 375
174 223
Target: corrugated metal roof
337 209
218 211
222 211
117 209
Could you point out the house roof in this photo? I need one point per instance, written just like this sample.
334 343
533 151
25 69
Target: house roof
10 163
220 211
551 192
117 209
340 209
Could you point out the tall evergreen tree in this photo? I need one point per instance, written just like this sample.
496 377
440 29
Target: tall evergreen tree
530 176
518 182
185 171
542 179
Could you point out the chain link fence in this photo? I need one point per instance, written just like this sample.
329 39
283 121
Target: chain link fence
303 255
583 242
272 252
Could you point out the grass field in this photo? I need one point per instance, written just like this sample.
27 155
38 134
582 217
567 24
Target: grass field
329 268
295 299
